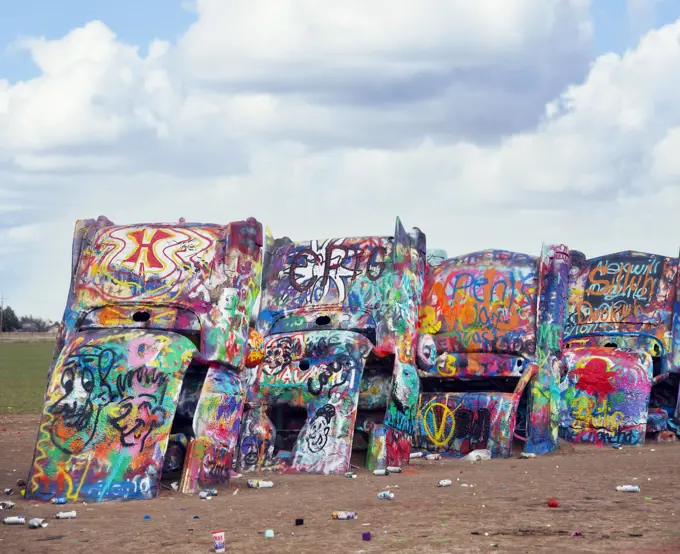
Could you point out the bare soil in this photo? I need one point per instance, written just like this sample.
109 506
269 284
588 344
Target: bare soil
503 508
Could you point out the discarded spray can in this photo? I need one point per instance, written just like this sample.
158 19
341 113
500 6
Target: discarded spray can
345 515
36 523
211 492
386 494
6 505
59 500
14 520
433 457
351 475
617 446
381 472
257 484
525 455
204 495
9 491
66 515
628 488
416 455
394 469
444 483
218 541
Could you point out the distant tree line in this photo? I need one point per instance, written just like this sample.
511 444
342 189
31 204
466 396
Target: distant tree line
27 323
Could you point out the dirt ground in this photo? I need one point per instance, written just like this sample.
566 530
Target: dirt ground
503 508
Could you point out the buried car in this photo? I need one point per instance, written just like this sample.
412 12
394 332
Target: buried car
151 345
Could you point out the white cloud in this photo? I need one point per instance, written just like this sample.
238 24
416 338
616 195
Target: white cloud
481 123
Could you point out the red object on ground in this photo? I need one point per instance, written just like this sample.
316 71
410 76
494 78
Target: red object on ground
553 503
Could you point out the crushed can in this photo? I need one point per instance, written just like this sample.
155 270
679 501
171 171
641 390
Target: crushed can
444 483
14 520
257 484
211 492
204 495
9 492
414 455
389 495
36 523
59 500
66 515
345 515
433 457
394 469
350 475
6 505
381 472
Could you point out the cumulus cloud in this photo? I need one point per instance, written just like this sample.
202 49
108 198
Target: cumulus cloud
485 124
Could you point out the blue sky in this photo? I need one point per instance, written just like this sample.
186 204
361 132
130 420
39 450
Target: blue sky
134 21
617 29
140 21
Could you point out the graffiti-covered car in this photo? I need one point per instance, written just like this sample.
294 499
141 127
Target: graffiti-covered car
338 319
491 324
621 377
150 348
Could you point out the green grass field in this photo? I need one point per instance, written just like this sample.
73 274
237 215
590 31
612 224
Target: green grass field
23 376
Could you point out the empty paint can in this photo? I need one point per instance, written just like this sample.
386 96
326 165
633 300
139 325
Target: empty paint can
416 455
257 484
444 483
59 500
433 457
381 472
218 541
394 469
36 523
351 475
345 515
386 494
14 520
66 515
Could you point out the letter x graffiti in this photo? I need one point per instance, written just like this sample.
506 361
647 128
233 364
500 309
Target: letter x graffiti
146 248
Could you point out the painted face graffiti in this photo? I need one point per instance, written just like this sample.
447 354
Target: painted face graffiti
85 392
319 428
